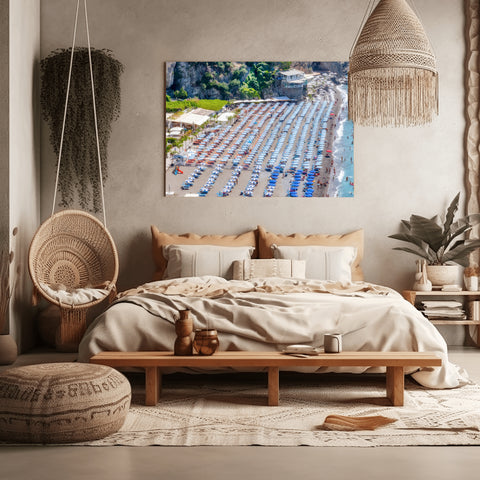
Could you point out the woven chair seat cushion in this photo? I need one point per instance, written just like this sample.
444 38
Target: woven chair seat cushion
62 403
73 296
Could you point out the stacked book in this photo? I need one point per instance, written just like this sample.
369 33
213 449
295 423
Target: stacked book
443 310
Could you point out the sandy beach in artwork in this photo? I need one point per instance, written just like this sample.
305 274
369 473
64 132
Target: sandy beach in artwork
272 147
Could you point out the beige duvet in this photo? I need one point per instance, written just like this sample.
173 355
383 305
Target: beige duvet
269 314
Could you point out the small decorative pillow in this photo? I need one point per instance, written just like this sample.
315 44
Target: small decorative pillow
199 260
322 263
263 268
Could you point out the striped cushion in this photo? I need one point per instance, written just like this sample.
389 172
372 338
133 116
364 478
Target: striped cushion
62 402
268 267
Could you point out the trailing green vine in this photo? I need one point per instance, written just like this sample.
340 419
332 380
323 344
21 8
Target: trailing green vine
79 171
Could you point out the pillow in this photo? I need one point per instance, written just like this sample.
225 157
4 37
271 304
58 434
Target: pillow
160 239
73 296
199 260
271 267
322 263
352 239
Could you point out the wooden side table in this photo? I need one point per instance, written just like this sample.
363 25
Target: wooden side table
413 295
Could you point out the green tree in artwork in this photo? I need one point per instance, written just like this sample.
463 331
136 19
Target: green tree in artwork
240 73
207 80
182 93
252 81
222 87
234 86
248 93
265 75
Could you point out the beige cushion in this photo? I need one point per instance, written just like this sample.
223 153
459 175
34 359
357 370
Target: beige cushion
62 402
199 260
160 239
322 263
352 239
271 267
73 296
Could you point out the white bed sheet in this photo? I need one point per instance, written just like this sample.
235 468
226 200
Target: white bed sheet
268 314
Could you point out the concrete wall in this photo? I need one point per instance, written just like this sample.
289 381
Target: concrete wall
4 129
24 158
397 171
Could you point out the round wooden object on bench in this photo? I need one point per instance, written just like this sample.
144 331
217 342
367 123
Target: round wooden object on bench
62 402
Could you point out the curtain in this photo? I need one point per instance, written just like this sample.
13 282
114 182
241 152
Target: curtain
472 132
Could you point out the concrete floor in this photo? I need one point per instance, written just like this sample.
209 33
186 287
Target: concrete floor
302 463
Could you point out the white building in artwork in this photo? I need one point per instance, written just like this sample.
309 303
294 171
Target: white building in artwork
192 119
291 83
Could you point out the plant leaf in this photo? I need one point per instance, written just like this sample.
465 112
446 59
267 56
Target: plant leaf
456 232
459 254
407 237
450 215
406 224
428 230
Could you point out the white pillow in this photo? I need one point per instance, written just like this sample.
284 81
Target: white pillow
322 262
73 296
268 267
199 260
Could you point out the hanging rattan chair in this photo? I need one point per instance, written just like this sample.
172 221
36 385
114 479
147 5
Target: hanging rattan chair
73 263
73 260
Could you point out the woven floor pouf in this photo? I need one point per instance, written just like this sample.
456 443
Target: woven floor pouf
62 402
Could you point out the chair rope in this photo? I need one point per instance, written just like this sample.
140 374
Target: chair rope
94 110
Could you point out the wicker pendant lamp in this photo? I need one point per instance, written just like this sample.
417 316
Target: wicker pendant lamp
392 79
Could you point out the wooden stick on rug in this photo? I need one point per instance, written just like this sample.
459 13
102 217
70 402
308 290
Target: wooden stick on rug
342 422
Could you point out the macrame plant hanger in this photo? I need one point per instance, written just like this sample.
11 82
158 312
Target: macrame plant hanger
72 252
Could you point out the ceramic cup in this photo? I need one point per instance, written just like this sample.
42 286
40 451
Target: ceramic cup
332 343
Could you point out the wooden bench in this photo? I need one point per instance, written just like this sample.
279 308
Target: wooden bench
153 362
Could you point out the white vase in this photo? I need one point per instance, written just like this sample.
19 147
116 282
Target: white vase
441 275
471 283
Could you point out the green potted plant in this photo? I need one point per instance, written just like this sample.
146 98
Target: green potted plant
440 243
79 171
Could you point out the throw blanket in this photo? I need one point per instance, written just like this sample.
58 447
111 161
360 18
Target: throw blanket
216 287
269 314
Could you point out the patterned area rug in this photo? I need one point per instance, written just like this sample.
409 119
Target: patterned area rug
231 410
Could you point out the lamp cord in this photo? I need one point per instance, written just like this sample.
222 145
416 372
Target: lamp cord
367 14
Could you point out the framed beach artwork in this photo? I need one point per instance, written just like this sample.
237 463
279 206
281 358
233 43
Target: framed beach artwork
258 129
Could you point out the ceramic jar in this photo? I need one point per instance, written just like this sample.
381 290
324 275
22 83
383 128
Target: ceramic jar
206 341
471 283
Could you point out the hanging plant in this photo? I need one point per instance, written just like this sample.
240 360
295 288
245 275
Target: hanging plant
79 170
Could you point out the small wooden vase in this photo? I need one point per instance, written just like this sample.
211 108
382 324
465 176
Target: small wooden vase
184 329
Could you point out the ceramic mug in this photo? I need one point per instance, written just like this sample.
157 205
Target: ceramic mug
332 343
